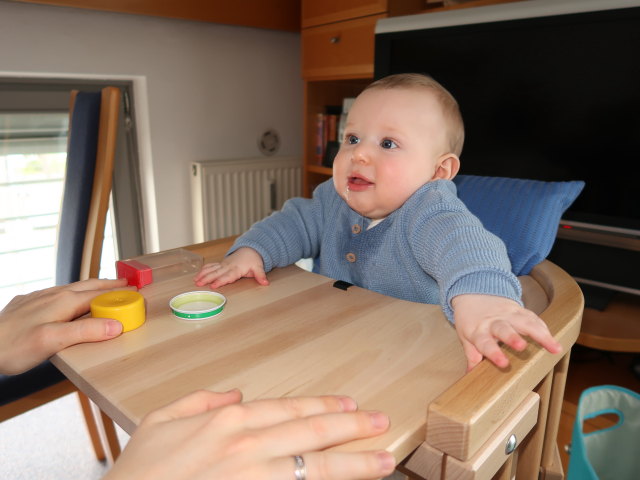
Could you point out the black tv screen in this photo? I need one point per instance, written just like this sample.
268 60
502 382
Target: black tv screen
546 93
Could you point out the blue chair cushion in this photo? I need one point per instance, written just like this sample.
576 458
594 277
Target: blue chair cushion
15 387
76 198
524 213
78 185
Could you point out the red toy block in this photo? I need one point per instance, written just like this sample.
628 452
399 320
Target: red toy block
135 272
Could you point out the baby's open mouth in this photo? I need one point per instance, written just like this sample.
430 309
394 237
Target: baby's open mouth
358 181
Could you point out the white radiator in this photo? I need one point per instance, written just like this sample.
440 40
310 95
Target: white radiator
229 196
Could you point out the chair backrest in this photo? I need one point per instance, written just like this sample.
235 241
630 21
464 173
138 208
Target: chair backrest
93 128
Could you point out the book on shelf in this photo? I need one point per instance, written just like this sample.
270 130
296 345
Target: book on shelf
319 141
346 105
330 131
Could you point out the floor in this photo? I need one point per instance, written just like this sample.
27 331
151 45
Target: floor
50 443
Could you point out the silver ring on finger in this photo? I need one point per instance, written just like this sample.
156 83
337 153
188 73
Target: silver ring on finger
301 469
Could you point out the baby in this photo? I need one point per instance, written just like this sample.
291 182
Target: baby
390 221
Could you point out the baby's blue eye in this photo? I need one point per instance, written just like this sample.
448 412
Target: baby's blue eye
352 139
386 143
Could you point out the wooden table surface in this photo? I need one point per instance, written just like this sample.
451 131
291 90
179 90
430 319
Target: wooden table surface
298 336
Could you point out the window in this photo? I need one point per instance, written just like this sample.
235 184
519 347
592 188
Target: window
33 142
32 164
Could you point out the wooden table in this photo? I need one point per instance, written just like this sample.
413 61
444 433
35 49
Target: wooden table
302 336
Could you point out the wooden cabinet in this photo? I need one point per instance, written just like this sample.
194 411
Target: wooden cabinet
337 62
339 50
329 11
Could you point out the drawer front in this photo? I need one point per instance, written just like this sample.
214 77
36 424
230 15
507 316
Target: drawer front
316 12
492 455
338 50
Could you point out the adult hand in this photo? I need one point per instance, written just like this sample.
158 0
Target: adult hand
33 327
244 262
484 320
209 435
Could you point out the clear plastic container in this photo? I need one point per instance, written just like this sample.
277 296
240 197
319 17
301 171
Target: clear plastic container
158 267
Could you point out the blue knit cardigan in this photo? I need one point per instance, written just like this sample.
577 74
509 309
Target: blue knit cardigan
429 250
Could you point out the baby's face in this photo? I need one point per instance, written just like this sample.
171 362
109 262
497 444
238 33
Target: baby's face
393 140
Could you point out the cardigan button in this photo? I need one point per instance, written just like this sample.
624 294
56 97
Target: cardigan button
351 257
356 229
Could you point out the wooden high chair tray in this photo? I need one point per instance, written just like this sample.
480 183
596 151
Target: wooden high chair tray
302 336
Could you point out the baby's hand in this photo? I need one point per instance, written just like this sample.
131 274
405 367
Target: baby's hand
244 262
484 320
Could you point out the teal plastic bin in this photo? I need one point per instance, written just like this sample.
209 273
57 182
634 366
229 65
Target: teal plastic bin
613 452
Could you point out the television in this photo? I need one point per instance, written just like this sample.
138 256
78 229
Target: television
549 90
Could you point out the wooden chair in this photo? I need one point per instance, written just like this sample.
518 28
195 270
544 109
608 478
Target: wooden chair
470 426
90 159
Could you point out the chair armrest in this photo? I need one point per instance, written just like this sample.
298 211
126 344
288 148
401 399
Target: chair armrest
461 419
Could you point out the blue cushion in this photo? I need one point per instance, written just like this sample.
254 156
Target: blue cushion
78 185
524 213
15 387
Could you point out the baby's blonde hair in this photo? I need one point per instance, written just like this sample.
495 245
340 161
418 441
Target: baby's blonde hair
450 108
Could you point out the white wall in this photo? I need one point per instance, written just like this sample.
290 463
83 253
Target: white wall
211 89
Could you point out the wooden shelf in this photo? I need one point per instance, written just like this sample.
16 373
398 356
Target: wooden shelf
616 328
318 94
320 169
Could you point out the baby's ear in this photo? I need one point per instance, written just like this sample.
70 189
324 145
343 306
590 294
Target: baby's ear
447 167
